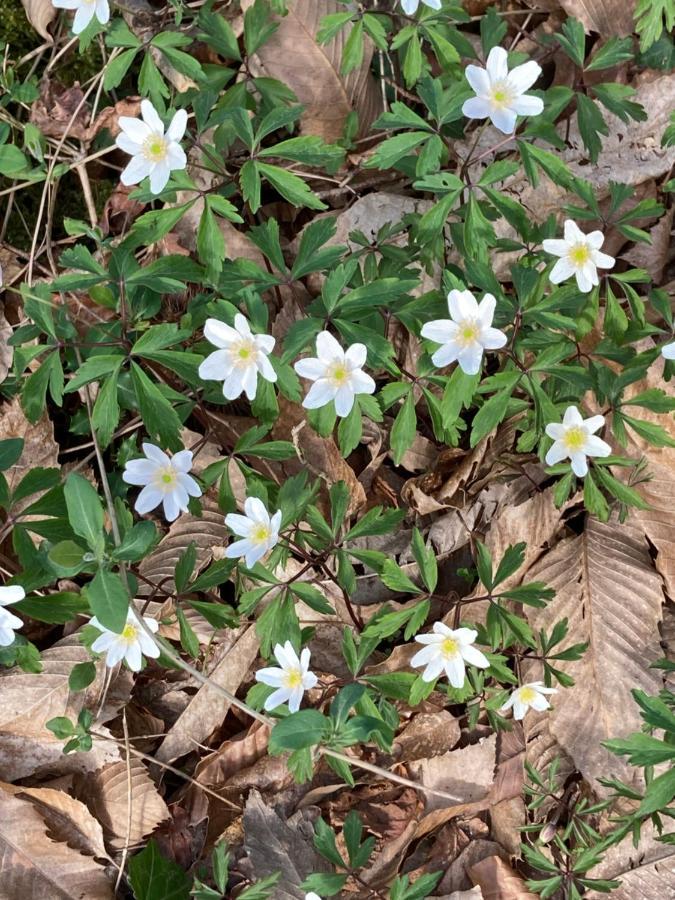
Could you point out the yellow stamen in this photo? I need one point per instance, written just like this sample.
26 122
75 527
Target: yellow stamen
501 95
580 254
527 694
260 534
339 374
293 678
130 632
575 438
449 647
155 148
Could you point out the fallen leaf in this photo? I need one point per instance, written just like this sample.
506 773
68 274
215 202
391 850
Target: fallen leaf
457 875
207 709
6 351
39 448
467 773
121 806
40 13
61 111
427 735
32 865
606 586
312 72
655 256
607 17
498 881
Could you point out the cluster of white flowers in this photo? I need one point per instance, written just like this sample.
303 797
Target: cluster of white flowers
9 623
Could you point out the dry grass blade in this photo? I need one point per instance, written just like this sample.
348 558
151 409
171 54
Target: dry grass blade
313 72
32 865
606 586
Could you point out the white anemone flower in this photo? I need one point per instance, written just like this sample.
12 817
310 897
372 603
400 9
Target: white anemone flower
500 94
579 256
165 480
241 357
312 896
259 530
575 439
85 11
448 650
153 152
668 351
9 623
337 374
529 696
130 645
409 7
466 334
291 679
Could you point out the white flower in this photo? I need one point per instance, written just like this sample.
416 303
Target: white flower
312 895
259 531
467 332
448 650
130 645
9 623
500 94
668 351
337 374
153 152
165 481
409 7
579 256
576 439
529 696
291 680
242 355
85 12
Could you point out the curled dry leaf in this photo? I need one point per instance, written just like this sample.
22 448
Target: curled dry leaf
498 881
108 794
61 111
40 13
207 709
33 865
293 56
233 756
606 586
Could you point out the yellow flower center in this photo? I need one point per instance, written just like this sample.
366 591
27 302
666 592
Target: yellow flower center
244 353
293 678
449 647
527 694
339 374
501 95
580 254
166 478
130 633
469 331
260 534
155 148
575 438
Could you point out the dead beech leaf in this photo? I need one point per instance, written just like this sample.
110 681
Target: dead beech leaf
648 881
39 448
606 586
427 735
467 773
207 709
233 756
498 881
607 17
33 865
107 795
40 13
655 256
61 111
312 72
67 819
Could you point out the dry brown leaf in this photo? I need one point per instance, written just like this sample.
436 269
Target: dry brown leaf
107 795
312 72
607 17
606 586
40 13
206 531
39 449
61 111
67 819
32 865
648 881
426 736
28 701
207 709
6 352
655 256
233 756
498 881
467 773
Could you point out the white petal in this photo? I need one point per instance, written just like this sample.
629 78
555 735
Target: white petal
237 549
327 348
527 105
573 234
539 703
124 142
523 77
470 358
454 669
189 485
310 367
478 79
584 282
509 703
252 556
134 657
579 464
562 270
476 108
486 310
266 368
362 383
474 657
555 430
462 305
159 176
595 446
136 170
176 129
465 636
182 461
216 366
446 354
135 129
242 325
277 698
232 385
320 393
492 338
603 260
264 342
139 471
155 454
255 510
171 507
572 417
556 453
344 400
240 525
595 240
271 676
7 637
594 423
439 330
519 709
115 653
504 120
356 355
102 11
219 333
295 699
176 157
83 17
151 117
434 669
556 247
497 64
11 593
249 381
409 7
149 498
668 351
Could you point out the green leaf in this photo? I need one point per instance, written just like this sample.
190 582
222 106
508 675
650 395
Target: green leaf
56 609
352 54
616 50
85 512
304 728
389 152
10 452
154 877
185 567
291 187
404 428
591 124
117 68
492 412
94 369
573 41
159 417
210 243
108 600
81 676
594 501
